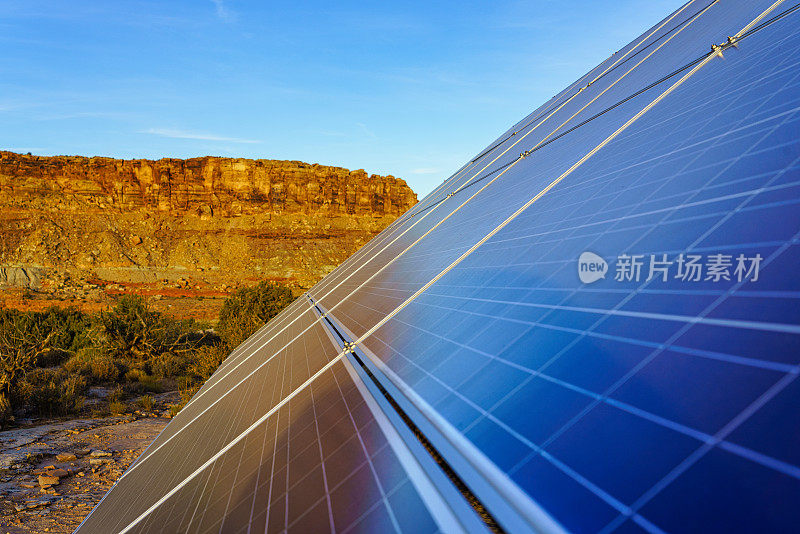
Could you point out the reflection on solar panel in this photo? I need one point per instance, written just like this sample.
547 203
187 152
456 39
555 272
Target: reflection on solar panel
592 326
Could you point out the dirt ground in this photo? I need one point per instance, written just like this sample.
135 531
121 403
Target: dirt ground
84 457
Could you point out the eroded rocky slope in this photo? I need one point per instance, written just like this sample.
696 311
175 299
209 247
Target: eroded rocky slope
89 228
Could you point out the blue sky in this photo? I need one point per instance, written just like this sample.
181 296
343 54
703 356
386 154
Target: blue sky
408 88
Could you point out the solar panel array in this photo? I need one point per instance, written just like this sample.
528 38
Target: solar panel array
456 373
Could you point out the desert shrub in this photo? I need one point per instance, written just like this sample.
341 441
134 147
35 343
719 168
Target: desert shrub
135 331
46 400
149 383
117 394
72 330
169 365
49 392
73 388
104 369
133 375
207 359
95 364
22 393
81 363
117 407
36 390
249 309
187 391
146 403
49 358
78 365
32 345
24 339
6 413
186 383
141 382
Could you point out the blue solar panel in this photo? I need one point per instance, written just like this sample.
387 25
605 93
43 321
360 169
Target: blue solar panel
592 326
610 389
518 183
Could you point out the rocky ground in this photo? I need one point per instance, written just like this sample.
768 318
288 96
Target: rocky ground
53 474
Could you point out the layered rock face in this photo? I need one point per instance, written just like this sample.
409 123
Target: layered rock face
89 227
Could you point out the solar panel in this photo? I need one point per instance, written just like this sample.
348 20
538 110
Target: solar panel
591 326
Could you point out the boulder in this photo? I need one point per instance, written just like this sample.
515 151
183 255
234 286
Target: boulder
47 481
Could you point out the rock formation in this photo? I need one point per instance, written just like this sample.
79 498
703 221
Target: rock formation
90 227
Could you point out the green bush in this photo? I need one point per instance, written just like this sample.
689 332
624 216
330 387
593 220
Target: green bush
137 332
133 375
149 383
95 364
72 330
78 365
117 394
48 359
169 365
146 403
140 382
6 414
49 392
117 407
25 338
31 345
249 309
73 388
104 369
188 392
207 359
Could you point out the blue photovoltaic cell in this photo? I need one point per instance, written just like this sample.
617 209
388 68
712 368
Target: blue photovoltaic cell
367 305
655 402
615 389
688 193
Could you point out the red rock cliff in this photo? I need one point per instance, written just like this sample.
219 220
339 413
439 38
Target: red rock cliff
234 186
86 229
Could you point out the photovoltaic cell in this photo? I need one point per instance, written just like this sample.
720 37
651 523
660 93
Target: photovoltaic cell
650 404
623 383
321 463
207 425
457 234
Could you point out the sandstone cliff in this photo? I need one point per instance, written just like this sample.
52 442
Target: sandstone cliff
86 228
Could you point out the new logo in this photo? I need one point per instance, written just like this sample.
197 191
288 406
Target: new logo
591 267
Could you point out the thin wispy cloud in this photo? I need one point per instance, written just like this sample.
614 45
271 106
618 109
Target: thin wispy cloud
328 133
18 105
223 12
80 115
183 134
367 131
